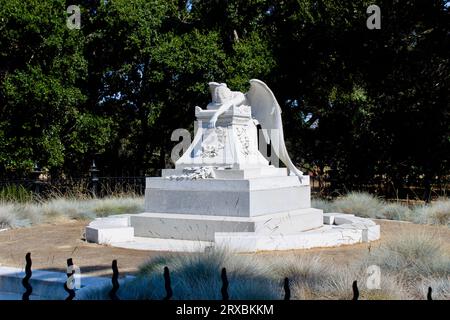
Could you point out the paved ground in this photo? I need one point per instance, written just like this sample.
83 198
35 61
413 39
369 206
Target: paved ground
51 244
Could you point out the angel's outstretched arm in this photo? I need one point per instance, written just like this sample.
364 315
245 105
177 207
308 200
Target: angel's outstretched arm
238 99
223 108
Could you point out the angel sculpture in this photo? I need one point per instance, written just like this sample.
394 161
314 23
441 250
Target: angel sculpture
265 110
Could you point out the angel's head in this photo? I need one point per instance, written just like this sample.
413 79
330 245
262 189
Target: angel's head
219 92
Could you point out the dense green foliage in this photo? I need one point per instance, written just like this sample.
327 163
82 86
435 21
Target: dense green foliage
371 105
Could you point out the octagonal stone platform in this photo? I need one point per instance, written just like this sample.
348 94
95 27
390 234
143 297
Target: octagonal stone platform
345 230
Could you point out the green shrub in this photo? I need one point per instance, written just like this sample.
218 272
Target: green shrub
7 218
395 211
325 205
360 204
438 212
197 276
415 256
91 208
15 193
440 286
121 205
365 205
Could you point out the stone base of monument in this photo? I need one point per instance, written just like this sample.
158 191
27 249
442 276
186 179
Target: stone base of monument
346 230
242 215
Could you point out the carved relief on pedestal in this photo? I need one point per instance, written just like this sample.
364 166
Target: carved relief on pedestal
244 109
244 140
196 173
214 142
221 133
209 151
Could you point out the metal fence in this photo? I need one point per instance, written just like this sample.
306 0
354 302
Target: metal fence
84 186
326 187
114 292
98 186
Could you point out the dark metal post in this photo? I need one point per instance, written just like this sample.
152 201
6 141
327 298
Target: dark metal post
355 290
70 291
26 279
167 284
94 178
224 290
429 294
36 178
287 289
115 281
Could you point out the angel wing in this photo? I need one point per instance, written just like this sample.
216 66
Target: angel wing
267 111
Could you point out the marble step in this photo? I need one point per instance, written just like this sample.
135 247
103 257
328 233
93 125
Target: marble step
104 234
203 227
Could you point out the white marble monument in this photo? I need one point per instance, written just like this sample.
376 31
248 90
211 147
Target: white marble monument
224 192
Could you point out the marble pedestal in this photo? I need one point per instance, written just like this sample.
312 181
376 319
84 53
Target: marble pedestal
270 212
198 209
